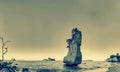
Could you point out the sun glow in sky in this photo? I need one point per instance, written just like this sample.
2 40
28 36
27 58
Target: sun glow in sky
39 28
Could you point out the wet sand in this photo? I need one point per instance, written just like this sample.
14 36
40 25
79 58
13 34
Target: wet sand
97 70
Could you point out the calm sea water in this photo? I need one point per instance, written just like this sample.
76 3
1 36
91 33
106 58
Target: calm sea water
58 66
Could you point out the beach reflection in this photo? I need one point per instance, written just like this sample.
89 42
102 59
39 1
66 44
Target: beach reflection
72 68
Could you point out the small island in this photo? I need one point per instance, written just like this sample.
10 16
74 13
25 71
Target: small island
49 59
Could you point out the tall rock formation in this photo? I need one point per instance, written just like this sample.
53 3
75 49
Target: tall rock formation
74 55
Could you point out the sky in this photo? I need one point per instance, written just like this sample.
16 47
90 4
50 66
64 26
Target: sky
38 29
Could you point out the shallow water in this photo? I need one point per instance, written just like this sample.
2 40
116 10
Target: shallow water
58 66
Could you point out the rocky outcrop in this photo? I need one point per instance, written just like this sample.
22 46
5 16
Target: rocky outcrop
74 55
7 66
49 59
114 58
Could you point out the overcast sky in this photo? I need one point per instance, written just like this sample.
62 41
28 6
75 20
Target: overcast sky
39 28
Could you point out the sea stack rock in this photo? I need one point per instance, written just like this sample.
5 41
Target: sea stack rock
74 55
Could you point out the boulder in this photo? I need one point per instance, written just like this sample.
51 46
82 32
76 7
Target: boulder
25 70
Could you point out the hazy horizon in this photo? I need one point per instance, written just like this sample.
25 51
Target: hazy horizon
39 28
